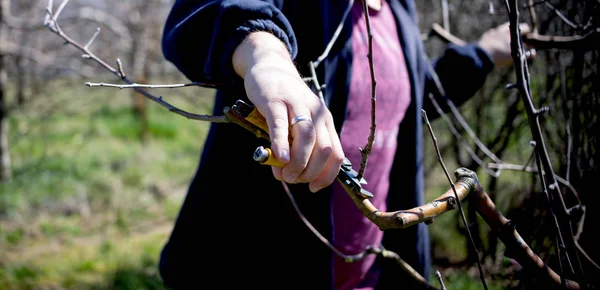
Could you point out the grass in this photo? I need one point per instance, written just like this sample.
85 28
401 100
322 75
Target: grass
109 261
90 205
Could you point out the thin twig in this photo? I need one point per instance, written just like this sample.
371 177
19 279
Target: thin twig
533 16
365 152
445 15
461 120
60 9
51 22
587 257
438 275
566 112
336 34
525 168
462 213
314 81
564 181
587 41
531 156
370 250
462 141
562 16
446 36
556 12
87 45
147 86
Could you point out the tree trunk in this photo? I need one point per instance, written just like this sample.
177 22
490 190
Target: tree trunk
140 107
5 168
138 60
20 81
139 52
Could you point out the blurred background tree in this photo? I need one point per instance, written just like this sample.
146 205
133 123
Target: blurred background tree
563 79
92 178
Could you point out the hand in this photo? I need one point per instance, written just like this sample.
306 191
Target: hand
276 89
496 42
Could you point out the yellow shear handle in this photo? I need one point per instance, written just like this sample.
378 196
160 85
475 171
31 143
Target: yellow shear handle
258 120
265 156
249 113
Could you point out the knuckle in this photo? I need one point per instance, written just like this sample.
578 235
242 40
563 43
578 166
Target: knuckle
279 130
311 132
306 177
337 157
279 123
297 166
325 151
307 133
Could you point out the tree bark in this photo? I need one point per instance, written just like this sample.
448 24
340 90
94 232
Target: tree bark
5 166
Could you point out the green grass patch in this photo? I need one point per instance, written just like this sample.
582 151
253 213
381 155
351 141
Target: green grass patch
91 204
462 281
103 262
95 150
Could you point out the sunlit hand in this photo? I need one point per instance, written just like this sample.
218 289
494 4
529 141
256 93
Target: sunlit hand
276 89
496 42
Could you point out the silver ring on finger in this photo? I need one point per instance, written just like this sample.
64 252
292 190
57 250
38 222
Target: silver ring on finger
300 118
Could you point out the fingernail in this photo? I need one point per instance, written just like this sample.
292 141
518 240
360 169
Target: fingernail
284 155
315 188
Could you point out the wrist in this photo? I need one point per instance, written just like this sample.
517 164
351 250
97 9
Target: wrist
259 48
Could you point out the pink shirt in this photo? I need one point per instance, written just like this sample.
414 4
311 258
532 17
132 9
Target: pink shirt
351 230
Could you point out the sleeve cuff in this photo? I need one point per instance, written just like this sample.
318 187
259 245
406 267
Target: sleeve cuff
485 61
226 66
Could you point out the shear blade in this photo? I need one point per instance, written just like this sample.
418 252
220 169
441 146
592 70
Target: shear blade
365 193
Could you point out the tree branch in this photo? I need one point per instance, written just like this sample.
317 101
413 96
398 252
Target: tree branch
446 36
365 152
52 24
562 222
587 41
453 187
370 250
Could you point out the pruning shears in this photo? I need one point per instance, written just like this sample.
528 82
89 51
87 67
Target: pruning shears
248 117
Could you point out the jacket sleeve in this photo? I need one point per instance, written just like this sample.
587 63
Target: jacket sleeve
199 37
461 71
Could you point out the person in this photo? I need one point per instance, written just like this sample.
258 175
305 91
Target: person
237 227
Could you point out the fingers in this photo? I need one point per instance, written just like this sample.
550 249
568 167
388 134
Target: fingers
277 172
332 167
320 154
277 120
304 137
315 153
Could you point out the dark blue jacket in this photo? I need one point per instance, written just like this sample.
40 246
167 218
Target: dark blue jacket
237 225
